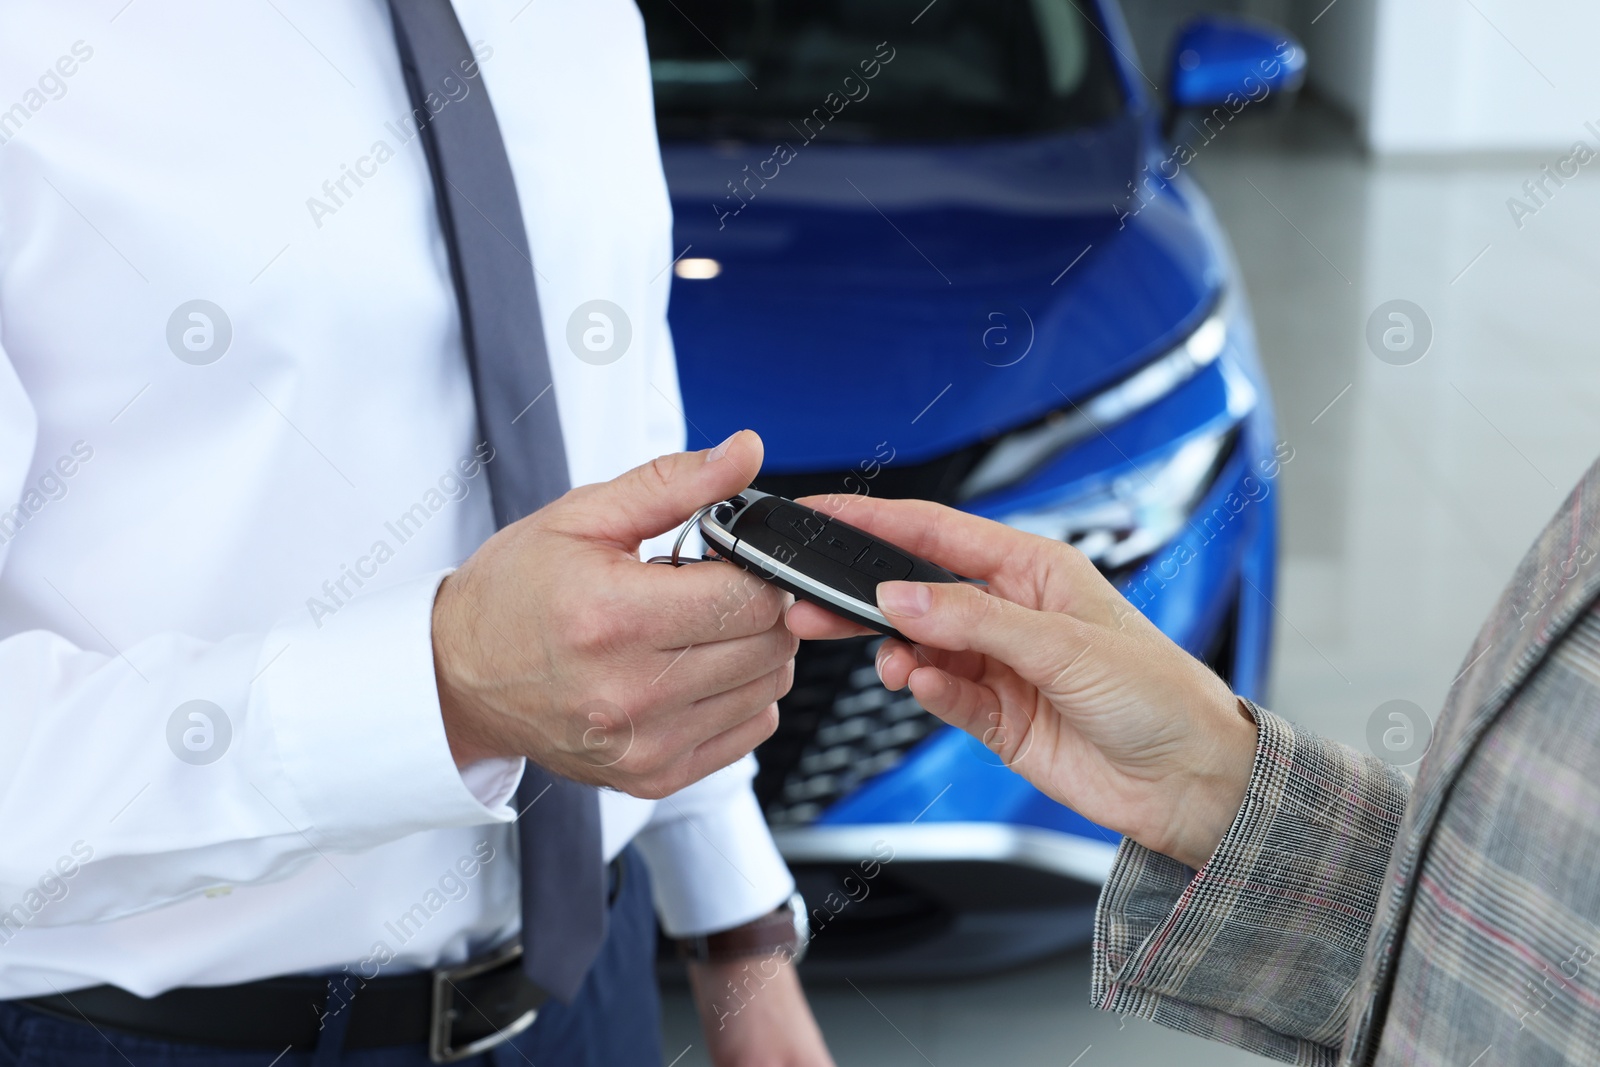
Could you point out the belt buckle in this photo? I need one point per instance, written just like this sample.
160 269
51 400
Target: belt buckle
444 1013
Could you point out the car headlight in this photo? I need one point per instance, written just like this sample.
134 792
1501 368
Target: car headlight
1017 455
1136 513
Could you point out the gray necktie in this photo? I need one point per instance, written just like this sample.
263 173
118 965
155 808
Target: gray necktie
563 895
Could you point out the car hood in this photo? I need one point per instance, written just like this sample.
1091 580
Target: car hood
921 298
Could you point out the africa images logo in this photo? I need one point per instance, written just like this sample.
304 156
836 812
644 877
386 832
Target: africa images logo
199 732
1399 332
199 332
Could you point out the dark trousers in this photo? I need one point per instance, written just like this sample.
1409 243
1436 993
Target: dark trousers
615 1021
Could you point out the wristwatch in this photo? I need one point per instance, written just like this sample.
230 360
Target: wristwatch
784 929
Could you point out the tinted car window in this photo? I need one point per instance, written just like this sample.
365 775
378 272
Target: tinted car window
757 69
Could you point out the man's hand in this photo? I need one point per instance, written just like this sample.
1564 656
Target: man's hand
754 1014
554 642
1059 676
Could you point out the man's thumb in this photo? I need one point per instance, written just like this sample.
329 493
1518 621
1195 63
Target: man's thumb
661 495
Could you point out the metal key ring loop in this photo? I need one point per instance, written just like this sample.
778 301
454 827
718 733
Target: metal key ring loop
683 534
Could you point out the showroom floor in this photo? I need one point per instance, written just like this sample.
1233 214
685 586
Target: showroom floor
1412 493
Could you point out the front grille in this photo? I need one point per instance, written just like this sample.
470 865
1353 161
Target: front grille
838 728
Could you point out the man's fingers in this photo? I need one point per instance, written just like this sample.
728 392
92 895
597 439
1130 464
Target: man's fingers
719 667
960 617
660 495
713 755
812 623
736 721
724 711
705 602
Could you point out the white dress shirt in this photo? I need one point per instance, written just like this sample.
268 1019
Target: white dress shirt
200 528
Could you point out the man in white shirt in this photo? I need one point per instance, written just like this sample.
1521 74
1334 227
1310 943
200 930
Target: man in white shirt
245 734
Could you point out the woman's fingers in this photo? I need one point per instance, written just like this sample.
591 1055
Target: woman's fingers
966 544
1036 571
963 704
896 660
959 618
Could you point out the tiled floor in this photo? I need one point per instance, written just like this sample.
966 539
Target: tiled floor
1413 492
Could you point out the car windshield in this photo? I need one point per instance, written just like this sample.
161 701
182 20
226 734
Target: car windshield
874 70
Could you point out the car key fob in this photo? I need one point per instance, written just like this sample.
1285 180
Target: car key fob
817 558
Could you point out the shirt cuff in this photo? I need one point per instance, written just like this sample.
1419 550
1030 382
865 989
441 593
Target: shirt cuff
713 863
1262 947
494 781
352 706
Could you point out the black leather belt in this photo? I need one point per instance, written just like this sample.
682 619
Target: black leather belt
456 1011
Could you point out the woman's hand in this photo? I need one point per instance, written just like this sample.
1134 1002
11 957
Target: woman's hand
1058 675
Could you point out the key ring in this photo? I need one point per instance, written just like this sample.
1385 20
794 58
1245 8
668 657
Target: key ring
676 559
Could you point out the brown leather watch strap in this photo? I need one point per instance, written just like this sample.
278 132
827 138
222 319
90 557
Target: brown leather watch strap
780 930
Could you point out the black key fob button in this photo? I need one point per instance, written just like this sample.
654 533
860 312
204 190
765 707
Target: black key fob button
886 565
839 544
799 523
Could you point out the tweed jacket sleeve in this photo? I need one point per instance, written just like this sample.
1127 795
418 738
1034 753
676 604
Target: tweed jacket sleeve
1263 947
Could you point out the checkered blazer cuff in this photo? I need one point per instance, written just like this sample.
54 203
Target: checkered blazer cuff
1260 949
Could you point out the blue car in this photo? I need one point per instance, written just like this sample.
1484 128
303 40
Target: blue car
948 250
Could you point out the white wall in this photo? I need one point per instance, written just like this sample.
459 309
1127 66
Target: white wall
1450 76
